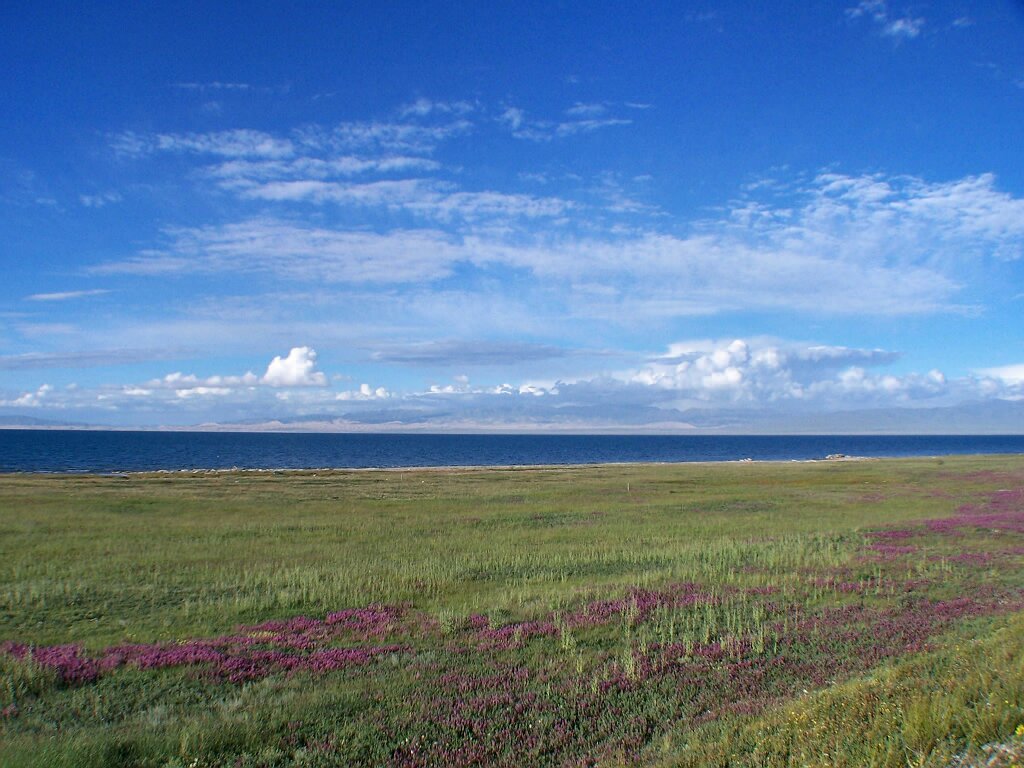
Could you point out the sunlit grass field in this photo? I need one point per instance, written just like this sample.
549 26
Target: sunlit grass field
832 613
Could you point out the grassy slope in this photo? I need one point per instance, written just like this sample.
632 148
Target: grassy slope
158 558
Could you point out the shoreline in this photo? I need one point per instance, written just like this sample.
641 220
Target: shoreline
455 468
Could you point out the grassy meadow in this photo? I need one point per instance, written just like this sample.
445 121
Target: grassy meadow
845 613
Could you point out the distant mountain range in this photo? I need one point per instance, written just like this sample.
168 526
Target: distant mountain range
32 422
988 417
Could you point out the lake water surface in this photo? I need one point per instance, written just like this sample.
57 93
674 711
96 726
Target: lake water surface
101 451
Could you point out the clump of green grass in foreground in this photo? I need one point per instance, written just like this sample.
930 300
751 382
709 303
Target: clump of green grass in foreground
936 709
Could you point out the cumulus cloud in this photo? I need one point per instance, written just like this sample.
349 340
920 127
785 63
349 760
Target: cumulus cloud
763 371
365 392
295 370
697 381
180 380
188 385
30 399
755 375
293 375
202 391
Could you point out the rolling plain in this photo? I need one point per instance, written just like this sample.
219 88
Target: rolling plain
843 613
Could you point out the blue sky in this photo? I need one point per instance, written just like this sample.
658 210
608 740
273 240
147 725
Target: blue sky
515 215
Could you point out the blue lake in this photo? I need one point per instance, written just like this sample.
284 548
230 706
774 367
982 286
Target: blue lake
100 451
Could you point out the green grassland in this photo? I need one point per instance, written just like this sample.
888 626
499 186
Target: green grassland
827 613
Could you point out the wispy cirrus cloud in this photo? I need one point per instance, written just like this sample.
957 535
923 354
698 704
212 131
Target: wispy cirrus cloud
582 118
301 253
837 244
472 353
900 27
237 172
100 200
67 295
423 107
587 110
425 198
215 85
239 142
86 358
381 136
393 159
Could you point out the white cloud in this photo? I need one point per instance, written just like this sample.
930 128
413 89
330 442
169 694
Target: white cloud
907 27
189 391
202 391
749 371
30 399
301 253
365 392
580 109
99 200
85 358
189 385
838 244
1008 374
423 107
573 127
378 136
421 197
295 370
584 118
903 27
216 85
233 143
756 375
449 352
885 389
393 193
179 380
236 173
65 295
513 117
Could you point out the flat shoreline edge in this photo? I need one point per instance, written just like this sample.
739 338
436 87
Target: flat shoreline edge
450 468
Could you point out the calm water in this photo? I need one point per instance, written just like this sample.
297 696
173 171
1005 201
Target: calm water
76 451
